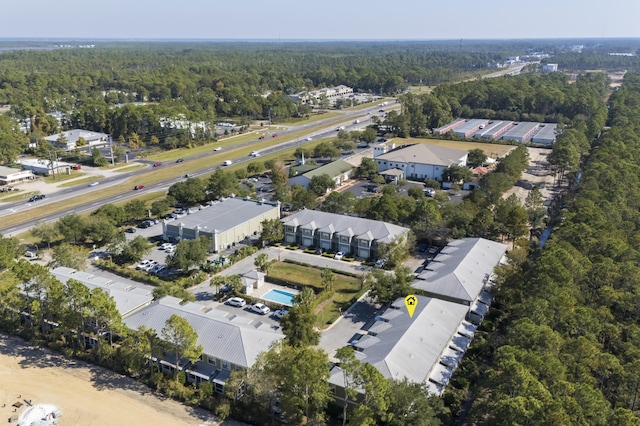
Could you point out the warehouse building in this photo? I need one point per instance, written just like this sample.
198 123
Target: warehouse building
521 132
469 127
225 222
546 135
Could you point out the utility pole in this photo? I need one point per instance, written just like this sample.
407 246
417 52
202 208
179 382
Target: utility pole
113 163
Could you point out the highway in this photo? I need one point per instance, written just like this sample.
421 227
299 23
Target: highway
327 129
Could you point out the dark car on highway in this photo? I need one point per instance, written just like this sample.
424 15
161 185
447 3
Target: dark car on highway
36 198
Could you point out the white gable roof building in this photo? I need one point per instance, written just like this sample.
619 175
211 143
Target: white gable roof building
421 161
461 270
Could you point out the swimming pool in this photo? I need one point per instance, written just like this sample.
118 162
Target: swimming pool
279 296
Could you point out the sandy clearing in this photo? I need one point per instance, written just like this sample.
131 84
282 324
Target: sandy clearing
537 174
86 394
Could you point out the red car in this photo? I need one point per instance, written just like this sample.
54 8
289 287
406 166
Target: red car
157 165
275 135
261 137
138 187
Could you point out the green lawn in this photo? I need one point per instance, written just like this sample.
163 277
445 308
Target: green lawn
86 180
13 196
129 168
62 177
312 119
346 288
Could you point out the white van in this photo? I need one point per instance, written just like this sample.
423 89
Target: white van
227 163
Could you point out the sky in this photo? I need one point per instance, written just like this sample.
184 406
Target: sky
319 20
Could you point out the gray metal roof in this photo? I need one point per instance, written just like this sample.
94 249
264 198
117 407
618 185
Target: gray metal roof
223 215
449 126
546 134
128 295
238 339
469 125
422 153
7 171
520 130
492 130
380 231
73 135
461 269
411 347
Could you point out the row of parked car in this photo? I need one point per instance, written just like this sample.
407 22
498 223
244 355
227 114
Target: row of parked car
151 266
259 308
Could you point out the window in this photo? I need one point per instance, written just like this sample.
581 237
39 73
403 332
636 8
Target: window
344 239
225 365
364 243
306 232
324 235
211 361
289 229
219 388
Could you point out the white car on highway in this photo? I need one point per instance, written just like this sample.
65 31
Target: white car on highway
227 163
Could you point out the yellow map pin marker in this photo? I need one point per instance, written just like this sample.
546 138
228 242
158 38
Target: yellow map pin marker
411 302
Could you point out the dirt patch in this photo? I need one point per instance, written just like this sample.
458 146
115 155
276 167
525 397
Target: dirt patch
538 174
86 394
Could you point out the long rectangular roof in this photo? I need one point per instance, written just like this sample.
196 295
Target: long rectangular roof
546 134
127 295
520 130
461 269
422 153
332 169
409 347
493 130
470 125
223 215
355 226
238 339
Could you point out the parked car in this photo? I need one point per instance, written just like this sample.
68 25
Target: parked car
157 268
227 163
149 265
432 250
170 250
379 263
143 264
260 308
157 164
430 192
339 255
164 246
130 230
238 302
280 313
137 187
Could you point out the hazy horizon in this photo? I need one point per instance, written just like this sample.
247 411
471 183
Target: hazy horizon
331 20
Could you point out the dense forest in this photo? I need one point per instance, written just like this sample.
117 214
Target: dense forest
567 345
528 97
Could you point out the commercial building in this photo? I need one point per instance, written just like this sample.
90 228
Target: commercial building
550 68
449 127
348 234
521 132
69 140
546 134
230 342
340 171
45 167
225 222
493 130
11 176
420 161
469 127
